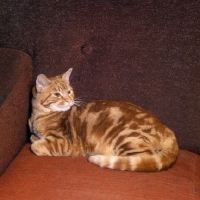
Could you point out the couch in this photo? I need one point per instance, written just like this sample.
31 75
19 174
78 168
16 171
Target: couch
145 52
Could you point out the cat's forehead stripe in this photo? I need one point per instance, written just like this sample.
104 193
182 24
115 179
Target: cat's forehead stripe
60 85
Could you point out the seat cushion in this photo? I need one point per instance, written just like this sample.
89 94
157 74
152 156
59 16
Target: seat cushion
33 177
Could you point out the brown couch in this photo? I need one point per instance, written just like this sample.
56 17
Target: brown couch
143 52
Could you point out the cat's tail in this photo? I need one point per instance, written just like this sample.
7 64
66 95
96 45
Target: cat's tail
144 162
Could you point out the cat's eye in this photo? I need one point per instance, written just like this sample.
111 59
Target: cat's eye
69 92
57 94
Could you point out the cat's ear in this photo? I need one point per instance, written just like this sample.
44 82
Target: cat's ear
42 82
66 75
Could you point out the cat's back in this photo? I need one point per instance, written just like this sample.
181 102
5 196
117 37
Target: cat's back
102 123
115 111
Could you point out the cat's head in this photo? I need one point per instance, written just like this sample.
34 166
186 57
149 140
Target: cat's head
55 93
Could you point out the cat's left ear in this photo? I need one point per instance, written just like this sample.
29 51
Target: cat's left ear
42 82
66 75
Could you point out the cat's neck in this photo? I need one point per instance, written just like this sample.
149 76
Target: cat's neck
39 111
38 108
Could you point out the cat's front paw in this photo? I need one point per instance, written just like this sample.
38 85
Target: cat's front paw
33 138
40 149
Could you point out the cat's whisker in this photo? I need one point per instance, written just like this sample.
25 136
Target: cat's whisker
79 98
79 102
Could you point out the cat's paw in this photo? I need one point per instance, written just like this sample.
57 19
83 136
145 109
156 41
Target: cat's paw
40 149
33 138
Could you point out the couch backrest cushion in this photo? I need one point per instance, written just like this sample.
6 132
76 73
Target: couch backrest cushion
146 53
15 87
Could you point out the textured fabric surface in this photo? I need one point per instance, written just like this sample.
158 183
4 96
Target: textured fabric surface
31 177
15 81
145 52
12 63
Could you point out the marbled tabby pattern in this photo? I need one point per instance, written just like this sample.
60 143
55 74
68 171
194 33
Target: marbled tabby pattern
113 134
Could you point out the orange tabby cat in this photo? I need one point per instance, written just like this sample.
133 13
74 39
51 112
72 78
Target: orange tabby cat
113 134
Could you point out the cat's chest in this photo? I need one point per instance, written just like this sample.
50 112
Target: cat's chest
38 127
42 125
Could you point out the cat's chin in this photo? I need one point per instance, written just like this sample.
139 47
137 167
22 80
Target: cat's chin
60 109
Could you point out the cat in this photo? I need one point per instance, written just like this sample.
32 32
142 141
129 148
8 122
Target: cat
112 134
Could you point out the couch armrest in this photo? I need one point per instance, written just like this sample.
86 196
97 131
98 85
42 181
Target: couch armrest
15 83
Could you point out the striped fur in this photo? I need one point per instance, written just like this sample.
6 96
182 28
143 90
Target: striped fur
113 134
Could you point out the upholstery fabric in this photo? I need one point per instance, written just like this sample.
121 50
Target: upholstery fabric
145 52
32 177
15 81
12 65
